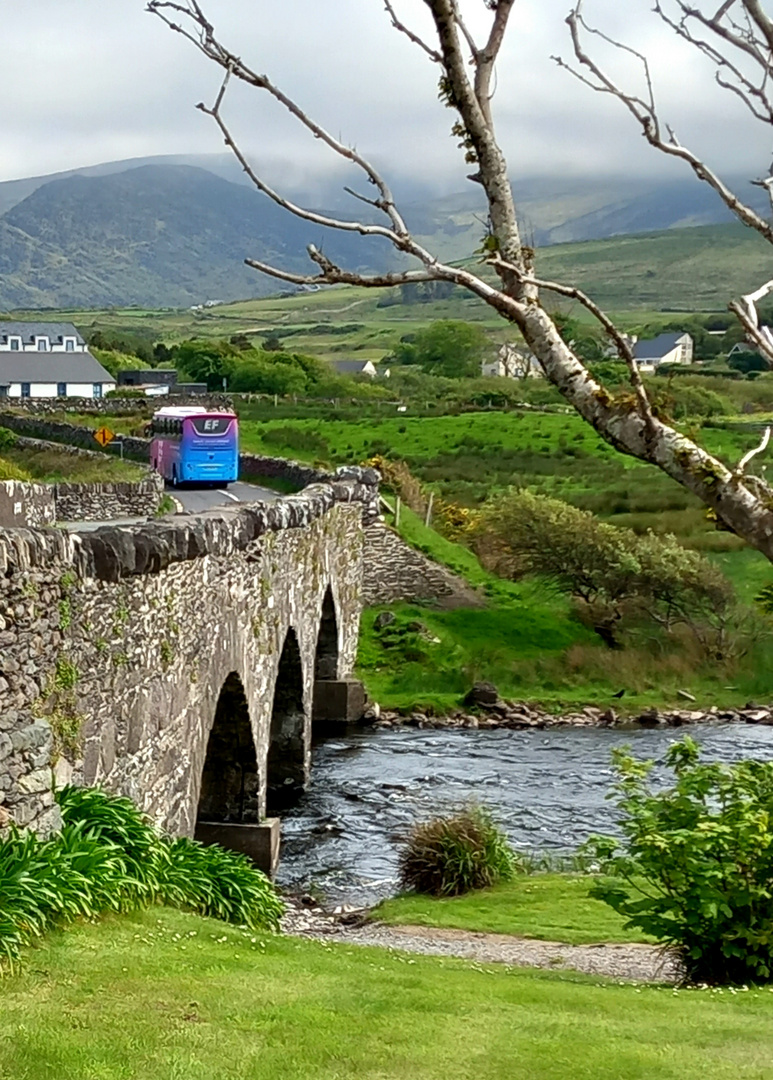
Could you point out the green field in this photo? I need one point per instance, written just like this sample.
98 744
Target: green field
167 996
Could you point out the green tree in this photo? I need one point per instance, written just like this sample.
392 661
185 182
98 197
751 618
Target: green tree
747 361
206 361
447 347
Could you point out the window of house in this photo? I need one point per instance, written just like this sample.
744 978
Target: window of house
61 389
42 343
14 344
3 391
25 389
97 389
69 344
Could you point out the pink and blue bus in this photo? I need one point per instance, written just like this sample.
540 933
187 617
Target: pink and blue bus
193 446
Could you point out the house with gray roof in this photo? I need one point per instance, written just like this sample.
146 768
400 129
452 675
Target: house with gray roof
356 367
664 349
48 360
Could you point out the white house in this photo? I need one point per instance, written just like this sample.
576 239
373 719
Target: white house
357 367
512 362
664 349
48 360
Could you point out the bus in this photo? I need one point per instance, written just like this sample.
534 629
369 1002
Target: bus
193 446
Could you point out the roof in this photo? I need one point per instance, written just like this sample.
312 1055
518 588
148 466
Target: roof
30 330
48 367
181 411
657 347
351 367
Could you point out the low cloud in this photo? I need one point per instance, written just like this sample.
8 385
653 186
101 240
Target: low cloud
81 86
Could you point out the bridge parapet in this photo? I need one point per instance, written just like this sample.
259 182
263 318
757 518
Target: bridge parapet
116 647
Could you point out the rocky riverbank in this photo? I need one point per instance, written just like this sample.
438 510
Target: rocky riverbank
485 709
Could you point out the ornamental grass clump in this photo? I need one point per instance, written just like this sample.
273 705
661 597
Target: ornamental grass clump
110 857
453 855
222 884
696 868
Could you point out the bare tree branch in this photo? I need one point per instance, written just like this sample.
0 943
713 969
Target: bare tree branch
204 39
486 58
433 54
739 470
744 503
621 342
646 114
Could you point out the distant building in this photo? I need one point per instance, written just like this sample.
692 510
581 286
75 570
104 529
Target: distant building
512 362
48 360
158 382
357 367
664 349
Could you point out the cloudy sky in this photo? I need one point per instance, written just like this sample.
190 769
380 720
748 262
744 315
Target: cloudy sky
80 86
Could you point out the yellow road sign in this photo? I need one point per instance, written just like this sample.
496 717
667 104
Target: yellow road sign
104 436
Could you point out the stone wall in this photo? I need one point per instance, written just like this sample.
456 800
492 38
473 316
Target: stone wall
37 505
121 406
38 427
115 647
25 505
393 570
106 502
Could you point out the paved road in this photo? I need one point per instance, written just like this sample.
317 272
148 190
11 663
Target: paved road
195 500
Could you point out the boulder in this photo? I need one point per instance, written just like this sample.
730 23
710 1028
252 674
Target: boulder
483 695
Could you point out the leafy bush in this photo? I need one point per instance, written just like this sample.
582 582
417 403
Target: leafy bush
452 855
8 439
617 574
109 857
697 867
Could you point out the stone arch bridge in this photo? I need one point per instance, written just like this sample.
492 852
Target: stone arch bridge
181 663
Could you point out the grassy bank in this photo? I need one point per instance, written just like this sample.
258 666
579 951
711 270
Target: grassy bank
165 996
528 642
54 466
551 907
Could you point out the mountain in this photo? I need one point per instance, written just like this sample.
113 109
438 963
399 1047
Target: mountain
158 235
174 231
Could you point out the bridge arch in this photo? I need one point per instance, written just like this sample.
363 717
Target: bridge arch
287 764
327 653
230 780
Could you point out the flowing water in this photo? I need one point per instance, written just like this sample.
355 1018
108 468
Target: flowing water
546 788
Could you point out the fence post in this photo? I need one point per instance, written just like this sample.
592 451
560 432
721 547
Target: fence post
398 505
428 518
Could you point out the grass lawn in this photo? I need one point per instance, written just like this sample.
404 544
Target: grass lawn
168 996
553 907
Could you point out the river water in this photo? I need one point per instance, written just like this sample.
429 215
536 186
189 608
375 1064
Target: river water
545 788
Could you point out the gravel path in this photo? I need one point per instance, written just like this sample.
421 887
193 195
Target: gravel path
638 963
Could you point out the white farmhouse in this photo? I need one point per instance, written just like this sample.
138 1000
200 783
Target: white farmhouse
48 360
512 362
664 349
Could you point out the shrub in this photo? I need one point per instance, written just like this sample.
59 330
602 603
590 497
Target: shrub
452 855
111 820
614 572
109 857
697 868
219 883
7 439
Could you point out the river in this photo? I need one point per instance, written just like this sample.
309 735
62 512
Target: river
546 788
